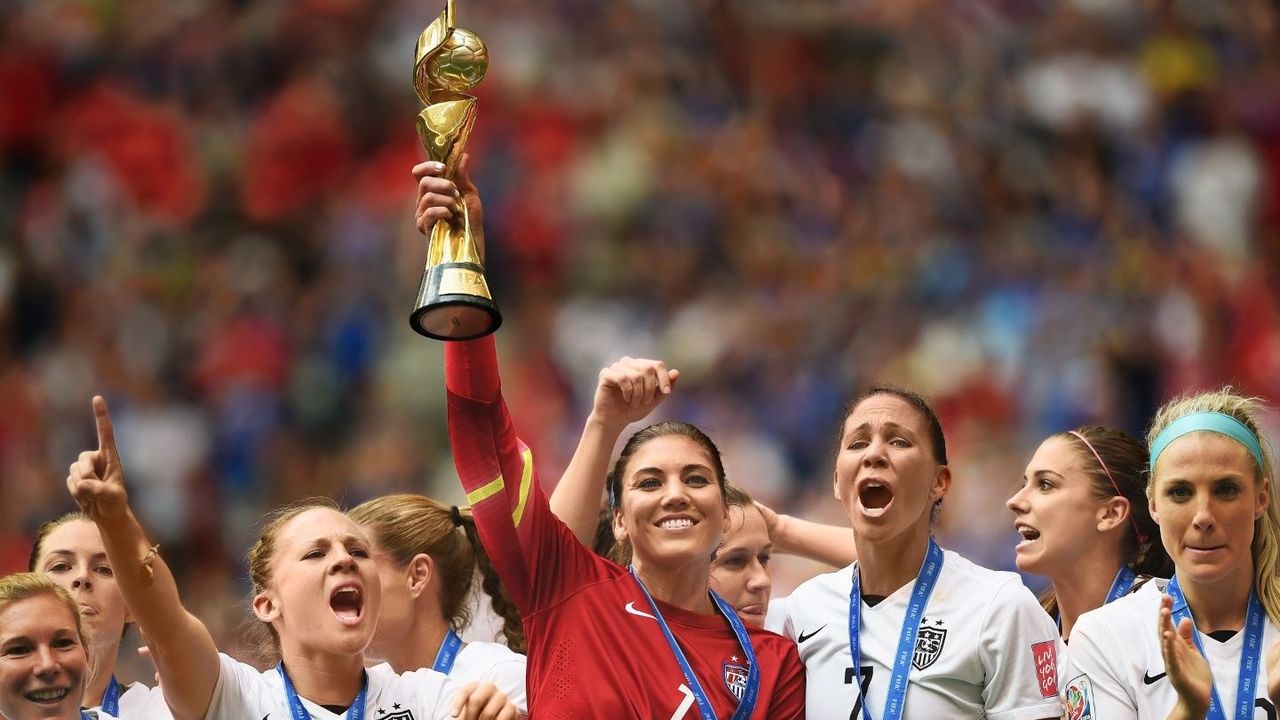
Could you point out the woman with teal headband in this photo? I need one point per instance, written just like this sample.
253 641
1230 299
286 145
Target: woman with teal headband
1214 650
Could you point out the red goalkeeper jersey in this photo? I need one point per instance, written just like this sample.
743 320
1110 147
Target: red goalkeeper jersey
595 649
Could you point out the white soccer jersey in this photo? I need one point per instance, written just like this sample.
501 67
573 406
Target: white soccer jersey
1117 671
139 702
495 663
245 693
985 649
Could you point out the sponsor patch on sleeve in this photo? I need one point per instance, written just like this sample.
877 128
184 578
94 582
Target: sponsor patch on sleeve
1046 657
1079 699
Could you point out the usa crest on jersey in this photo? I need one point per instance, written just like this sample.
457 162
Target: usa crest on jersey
398 715
929 643
735 678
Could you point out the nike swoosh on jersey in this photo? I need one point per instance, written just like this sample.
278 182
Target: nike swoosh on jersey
631 608
1149 679
806 636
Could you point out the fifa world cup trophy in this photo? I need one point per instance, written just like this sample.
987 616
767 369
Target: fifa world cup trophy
453 302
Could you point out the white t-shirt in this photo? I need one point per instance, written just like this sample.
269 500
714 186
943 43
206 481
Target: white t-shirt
1117 670
495 663
985 647
245 693
490 662
139 702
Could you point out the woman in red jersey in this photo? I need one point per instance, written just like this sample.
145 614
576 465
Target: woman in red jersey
740 566
607 641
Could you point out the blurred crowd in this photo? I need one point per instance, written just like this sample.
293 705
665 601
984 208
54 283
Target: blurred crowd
1042 214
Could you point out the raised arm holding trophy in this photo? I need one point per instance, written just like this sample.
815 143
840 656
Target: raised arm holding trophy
453 300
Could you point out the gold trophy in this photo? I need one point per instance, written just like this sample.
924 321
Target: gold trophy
453 302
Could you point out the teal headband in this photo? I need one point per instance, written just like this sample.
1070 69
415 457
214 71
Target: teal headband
1215 422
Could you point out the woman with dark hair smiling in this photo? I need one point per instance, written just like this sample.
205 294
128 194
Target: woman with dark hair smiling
606 641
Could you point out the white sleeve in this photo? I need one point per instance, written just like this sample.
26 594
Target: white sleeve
1096 684
788 629
509 676
775 615
433 692
140 702
237 695
1019 649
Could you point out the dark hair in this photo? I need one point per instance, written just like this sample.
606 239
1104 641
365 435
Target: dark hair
407 525
735 496
933 426
1125 458
605 544
657 430
45 529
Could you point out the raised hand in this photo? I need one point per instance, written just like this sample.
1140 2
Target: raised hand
630 389
483 701
442 199
1188 671
96 478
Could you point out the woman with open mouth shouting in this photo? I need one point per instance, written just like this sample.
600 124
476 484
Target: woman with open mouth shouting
910 630
607 641
1211 650
69 550
1083 517
43 662
315 590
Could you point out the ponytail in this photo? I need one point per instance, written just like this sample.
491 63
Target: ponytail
512 626
407 525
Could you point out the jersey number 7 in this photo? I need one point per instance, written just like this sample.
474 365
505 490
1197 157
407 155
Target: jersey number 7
864 684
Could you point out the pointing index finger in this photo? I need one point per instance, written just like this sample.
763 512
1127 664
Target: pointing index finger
106 434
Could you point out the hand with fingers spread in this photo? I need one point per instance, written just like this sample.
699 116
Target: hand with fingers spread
440 198
96 478
483 701
1188 671
630 389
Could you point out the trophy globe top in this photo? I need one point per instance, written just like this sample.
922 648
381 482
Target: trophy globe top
461 62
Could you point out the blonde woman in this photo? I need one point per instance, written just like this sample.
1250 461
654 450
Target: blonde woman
1210 490
315 592
43 662
69 550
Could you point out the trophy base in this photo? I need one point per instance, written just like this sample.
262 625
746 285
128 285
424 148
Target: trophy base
454 304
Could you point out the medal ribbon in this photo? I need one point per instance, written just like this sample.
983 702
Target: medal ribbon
299 711
1125 577
750 695
930 569
448 653
111 698
1250 654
